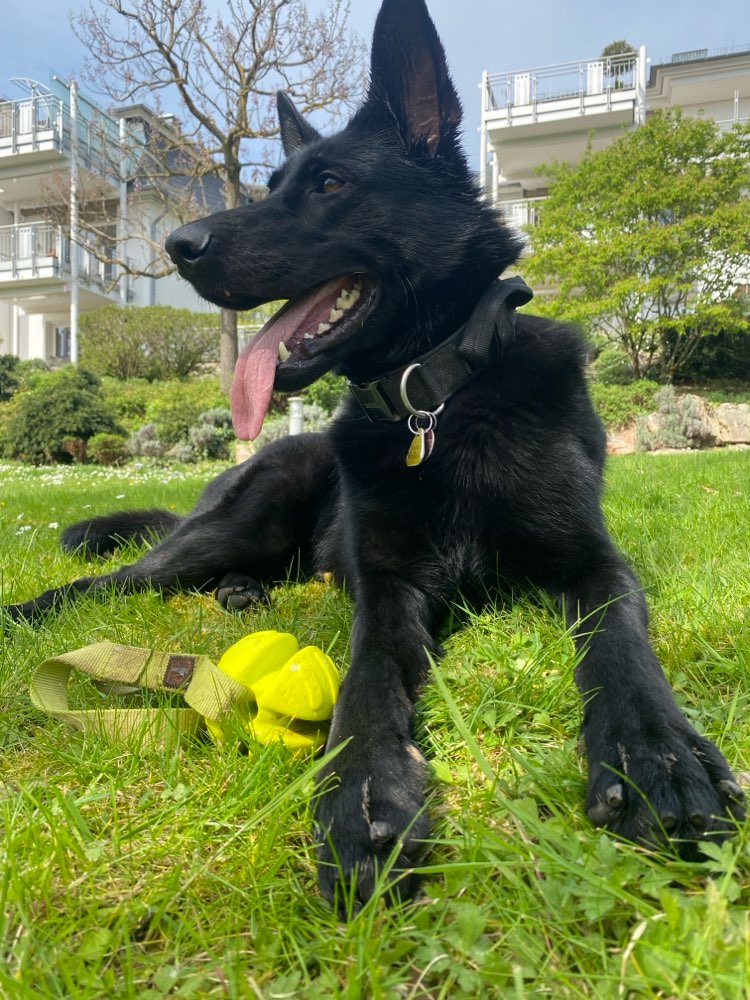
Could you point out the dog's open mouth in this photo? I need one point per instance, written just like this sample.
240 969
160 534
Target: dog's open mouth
290 346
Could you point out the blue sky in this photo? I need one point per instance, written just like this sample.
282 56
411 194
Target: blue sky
496 35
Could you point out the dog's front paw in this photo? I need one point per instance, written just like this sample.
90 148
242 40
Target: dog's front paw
662 782
371 822
237 591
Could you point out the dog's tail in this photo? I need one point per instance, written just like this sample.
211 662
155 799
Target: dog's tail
101 535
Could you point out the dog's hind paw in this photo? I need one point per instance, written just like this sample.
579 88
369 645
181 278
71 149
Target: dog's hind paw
237 591
372 826
671 786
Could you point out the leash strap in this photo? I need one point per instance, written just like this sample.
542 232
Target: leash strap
441 372
123 670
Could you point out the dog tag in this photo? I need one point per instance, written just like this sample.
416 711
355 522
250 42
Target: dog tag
423 441
416 454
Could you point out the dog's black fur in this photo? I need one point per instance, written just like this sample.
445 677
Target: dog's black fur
511 492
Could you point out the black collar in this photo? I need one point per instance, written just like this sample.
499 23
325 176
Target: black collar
436 375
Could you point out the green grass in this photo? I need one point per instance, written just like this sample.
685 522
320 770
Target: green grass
191 873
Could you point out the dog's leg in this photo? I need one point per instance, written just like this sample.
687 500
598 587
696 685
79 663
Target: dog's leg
191 558
250 525
651 775
372 807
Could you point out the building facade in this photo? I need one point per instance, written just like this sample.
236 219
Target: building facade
75 223
540 115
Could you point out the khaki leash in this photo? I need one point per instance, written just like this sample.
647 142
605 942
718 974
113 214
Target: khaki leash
278 691
116 669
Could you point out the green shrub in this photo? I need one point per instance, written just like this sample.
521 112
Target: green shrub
151 342
130 398
145 442
176 407
8 376
326 392
44 422
682 422
108 449
613 367
277 427
213 435
16 374
619 405
725 355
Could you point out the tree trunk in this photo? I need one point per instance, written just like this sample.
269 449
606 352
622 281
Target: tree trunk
227 348
232 198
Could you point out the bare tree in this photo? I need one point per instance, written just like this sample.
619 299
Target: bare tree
222 71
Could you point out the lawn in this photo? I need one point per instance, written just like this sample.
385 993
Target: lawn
191 873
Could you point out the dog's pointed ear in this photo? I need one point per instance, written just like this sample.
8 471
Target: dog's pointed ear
295 131
408 72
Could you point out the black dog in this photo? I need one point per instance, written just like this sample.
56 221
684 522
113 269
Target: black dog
470 458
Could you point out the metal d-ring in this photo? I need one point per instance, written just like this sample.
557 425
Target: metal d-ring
405 399
414 425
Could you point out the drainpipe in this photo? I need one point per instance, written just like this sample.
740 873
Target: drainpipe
16 347
153 228
123 276
483 138
74 222
640 89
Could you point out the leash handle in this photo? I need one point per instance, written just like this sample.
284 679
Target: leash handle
117 669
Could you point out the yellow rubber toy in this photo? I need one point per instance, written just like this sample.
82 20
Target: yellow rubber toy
291 691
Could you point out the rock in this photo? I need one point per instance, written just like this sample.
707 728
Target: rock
688 422
734 423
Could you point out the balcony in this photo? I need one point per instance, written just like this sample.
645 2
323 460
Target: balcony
42 125
566 90
552 113
521 212
39 252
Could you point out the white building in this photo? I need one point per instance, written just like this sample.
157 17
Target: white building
47 279
536 116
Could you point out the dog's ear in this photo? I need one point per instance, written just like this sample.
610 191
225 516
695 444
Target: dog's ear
409 73
295 131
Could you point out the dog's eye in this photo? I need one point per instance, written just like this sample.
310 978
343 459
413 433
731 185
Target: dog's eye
328 183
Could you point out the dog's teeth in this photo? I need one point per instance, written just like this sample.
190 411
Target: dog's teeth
335 316
309 336
323 327
284 354
354 295
343 301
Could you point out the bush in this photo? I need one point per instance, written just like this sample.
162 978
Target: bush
47 422
213 436
619 405
326 392
613 367
151 342
16 374
681 422
176 407
145 442
8 376
725 355
316 419
130 399
108 449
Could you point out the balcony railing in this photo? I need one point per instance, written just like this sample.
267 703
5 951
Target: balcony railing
43 123
41 250
609 80
521 213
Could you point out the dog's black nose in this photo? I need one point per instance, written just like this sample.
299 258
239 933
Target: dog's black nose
188 244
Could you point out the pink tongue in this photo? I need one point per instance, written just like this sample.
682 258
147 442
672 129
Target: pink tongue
256 366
